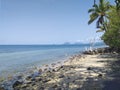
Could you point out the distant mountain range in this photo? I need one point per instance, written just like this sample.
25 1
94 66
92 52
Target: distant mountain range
81 43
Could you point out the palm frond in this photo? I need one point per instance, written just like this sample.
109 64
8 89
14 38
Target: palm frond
93 17
96 6
91 10
99 30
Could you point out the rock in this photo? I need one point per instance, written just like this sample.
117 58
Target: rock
38 79
92 53
68 77
40 70
44 81
19 77
33 79
53 70
73 81
45 69
41 88
55 86
61 76
33 76
89 68
59 88
16 84
61 66
53 64
1 88
28 77
86 52
96 52
28 82
100 75
114 52
24 86
33 83
35 87
78 89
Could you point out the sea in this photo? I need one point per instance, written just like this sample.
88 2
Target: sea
20 58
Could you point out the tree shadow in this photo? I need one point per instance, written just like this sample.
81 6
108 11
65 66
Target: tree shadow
67 77
114 82
77 81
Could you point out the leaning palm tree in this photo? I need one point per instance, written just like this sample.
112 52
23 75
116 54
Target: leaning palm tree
99 13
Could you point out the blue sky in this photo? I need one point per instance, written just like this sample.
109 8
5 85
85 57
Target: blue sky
45 21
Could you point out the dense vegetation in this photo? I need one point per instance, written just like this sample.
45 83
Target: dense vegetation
112 36
108 20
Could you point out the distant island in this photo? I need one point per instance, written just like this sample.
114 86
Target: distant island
81 43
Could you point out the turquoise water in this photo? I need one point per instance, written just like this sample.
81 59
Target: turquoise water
18 58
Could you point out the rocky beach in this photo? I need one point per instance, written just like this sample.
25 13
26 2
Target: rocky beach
98 69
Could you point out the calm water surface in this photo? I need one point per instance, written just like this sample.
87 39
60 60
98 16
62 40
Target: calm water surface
18 58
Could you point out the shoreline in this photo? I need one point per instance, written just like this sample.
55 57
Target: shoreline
14 67
74 70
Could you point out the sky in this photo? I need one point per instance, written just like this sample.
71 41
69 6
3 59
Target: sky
45 21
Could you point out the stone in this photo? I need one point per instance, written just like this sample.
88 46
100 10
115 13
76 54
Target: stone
89 68
61 76
86 52
78 89
38 79
41 88
28 77
100 75
44 81
24 86
45 69
19 77
59 88
35 87
33 79
1 88
40 70
114 52
55 86
28 82
33 84
53 70
16 84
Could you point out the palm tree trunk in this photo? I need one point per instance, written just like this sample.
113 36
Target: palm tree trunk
103 23
105 27
94 3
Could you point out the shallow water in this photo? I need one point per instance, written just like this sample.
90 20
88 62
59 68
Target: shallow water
19 58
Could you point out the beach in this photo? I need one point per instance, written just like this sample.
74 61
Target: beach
60 45
93 71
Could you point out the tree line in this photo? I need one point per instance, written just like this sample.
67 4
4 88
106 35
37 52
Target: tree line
107 17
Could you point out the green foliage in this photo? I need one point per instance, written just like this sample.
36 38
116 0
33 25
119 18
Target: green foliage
112 36
99 13
108 19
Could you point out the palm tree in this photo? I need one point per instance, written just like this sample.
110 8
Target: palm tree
99 13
